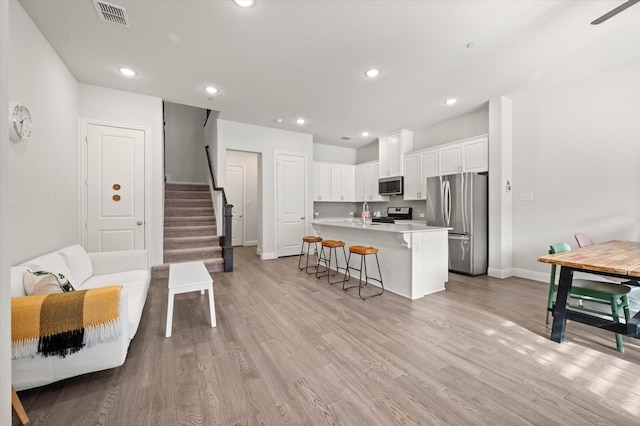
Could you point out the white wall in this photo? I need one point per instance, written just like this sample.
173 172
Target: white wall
5 293
268 142
183 142
251 205
462 127
334 154
577 149
44 197
368 153
115 106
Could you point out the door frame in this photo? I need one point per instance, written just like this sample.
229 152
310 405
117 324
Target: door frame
244 197
276 155
83 175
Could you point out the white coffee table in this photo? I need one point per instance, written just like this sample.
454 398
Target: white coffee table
185 278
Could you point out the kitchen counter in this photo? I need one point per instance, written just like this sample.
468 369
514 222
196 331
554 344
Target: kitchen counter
414 257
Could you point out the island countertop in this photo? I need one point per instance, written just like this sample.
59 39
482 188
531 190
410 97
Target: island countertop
413 257
398 227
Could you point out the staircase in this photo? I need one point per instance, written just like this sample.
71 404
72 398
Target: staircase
189 228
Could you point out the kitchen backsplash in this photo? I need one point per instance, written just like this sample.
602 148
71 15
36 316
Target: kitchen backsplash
327 210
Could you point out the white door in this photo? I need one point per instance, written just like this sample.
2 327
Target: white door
235 196
291 205
115 188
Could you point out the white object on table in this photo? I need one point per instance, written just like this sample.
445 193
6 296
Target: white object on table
185 278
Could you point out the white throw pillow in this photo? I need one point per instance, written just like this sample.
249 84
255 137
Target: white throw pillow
41 282
79 263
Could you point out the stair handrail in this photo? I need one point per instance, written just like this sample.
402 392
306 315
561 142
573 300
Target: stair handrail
225 240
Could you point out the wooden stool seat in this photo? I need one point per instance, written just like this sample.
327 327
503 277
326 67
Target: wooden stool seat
308 240
332 243
326 257
363 250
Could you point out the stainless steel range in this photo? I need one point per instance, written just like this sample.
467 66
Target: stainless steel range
394 214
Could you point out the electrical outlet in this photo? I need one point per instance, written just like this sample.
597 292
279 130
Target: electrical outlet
350 213
421 214
316 214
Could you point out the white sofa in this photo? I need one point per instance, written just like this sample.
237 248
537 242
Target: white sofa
85 271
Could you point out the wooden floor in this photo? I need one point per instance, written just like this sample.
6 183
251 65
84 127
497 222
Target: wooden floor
290 349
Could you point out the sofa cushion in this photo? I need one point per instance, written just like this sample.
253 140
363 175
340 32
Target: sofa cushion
78 262
134 283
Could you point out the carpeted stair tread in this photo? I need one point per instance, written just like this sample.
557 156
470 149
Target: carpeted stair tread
188 211
191 241
212 265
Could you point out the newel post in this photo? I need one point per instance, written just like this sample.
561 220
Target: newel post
227 248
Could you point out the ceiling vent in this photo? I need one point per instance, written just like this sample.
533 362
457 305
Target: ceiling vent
345 138
111 13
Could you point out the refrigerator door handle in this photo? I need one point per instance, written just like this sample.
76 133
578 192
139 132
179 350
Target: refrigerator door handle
447 203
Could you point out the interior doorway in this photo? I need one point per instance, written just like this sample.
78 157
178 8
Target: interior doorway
242 188
114 195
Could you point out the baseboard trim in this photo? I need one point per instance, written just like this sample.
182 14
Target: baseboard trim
251 243
268 256
499 273
531 275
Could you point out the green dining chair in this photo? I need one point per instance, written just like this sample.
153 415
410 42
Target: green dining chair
593 293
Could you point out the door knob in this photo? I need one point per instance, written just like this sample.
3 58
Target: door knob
139 222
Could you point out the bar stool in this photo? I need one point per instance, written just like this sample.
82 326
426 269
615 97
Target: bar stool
363 252
309 240
332 249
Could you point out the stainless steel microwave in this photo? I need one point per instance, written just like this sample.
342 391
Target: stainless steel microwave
391 185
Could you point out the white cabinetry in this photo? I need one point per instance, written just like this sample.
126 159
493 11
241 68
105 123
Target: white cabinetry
371 176
475 155
321 181
333 182
343 181
467 156
361 186
449 160
418 166
391 150
367 175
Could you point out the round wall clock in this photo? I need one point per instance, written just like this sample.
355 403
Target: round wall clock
19 122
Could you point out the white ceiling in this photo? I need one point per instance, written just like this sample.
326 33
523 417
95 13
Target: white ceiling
289 59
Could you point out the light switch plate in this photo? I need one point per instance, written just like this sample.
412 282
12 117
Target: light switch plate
526 196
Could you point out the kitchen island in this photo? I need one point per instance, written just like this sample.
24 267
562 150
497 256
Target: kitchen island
414 258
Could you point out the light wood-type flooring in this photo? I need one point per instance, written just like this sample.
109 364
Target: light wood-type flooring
291 349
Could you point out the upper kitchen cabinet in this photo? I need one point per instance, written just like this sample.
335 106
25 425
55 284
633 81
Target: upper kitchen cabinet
475 155
343 182
450 160
321 181
367 175
418 166
467 156
333 182
392 148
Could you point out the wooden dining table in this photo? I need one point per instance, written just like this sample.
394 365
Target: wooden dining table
612 258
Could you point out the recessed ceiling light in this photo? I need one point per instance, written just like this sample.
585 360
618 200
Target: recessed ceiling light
450 101
211 90
127 71
278 120
244 3
373 72
365 134
301 121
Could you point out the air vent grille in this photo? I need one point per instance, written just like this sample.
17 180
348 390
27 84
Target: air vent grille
345 138
111 13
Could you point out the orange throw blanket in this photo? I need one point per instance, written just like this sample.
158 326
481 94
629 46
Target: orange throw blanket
62 324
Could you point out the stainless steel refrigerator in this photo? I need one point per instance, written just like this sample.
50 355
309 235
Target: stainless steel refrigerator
460 202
